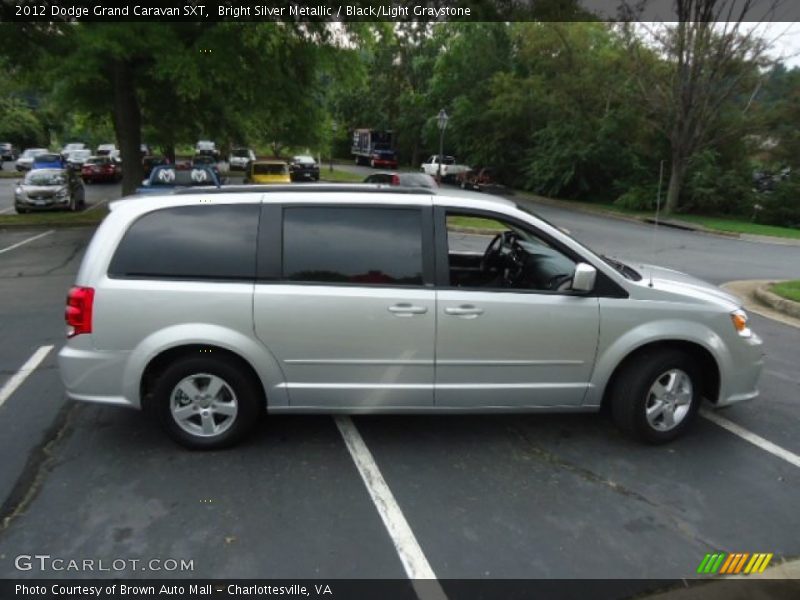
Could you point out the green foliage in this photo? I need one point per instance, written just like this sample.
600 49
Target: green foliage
781 207
714 187
20 125
640 197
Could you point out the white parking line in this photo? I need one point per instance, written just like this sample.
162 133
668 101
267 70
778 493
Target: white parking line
751 437
30 239
411 555
20 376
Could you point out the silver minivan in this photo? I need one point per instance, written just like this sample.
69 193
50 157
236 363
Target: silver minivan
211 307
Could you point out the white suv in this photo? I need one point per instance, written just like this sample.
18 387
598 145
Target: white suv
211 307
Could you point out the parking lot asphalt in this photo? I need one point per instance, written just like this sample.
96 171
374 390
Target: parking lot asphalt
528 496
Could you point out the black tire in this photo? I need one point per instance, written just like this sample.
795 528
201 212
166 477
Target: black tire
631 394
247 390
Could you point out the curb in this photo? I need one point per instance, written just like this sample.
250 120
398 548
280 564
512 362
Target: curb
784 305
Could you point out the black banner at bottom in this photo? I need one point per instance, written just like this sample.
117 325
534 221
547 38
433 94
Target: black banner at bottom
400 589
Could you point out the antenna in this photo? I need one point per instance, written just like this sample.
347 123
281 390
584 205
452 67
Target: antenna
655 223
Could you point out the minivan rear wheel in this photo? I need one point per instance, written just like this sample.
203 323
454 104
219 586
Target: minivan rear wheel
656 395
207 403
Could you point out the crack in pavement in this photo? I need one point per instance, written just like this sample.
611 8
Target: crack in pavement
590 476
40 462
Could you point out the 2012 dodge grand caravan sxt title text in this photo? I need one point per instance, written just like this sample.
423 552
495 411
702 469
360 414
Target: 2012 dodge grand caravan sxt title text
209 308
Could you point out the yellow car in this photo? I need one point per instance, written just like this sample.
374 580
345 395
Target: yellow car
268 171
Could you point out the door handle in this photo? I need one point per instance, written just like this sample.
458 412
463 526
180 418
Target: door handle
406 310
465 310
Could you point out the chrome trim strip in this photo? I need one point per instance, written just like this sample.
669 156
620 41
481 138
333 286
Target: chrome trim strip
428 386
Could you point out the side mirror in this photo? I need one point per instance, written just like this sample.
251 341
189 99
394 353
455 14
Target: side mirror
584 278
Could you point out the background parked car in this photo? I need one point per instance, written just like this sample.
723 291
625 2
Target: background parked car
49 189
303 168
49 160
206 160
403 179
101 168
8 151
166 178
239 159
268 171
207 147
77 158
105 149
149 162
71 147
25 162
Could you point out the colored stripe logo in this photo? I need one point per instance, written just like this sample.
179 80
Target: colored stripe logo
735 563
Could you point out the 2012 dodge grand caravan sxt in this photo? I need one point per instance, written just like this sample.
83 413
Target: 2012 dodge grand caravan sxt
209 308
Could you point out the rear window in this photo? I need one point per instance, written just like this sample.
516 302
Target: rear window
366 246
215 242
269 169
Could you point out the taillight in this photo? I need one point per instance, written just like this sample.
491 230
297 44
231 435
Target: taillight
79 311
395 179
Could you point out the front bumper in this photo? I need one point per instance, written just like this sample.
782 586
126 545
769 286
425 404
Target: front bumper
739 380
41 205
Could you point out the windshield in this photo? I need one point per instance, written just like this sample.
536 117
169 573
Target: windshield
80 154
31 153
43 158
303 159
168 176
269 169
625 270
45 177
241 153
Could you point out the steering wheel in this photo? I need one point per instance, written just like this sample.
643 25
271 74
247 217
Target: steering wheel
560 283
501 255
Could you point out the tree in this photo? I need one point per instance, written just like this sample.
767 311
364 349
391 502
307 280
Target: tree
179 80
712 66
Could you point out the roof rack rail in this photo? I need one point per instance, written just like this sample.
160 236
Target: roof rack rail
306 187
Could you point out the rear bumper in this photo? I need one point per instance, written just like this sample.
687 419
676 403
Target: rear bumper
92 376
384 163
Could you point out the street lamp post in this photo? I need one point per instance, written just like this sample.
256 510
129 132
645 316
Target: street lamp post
441 120
333 143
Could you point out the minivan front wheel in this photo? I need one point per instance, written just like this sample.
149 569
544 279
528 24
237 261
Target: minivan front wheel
656 395
206 403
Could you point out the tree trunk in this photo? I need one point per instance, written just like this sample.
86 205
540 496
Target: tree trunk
675 184
415 154
127 119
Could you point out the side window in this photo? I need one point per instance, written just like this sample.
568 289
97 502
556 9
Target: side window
367 246
490 253
190 242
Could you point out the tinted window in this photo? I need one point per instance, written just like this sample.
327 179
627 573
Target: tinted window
353 245
190 242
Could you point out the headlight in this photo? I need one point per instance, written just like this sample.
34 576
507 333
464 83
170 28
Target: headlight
739 320
62 193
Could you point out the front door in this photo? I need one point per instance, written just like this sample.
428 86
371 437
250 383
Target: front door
509 331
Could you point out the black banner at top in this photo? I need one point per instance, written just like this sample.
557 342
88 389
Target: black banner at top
377 10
